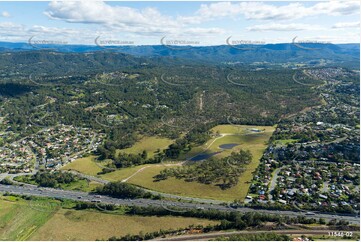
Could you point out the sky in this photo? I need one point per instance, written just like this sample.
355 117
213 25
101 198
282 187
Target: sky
178 23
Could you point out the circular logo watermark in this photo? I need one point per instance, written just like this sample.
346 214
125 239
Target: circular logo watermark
243 44
234 122
38 80
169 163
233 206
110 121
303 44
105 208
232 162
110 169
47 80
114 79
105 79
112 44
244 79
297 78
179 43
185 122
162 161
172 207
170 80
42 118
45 44
176 121
179 80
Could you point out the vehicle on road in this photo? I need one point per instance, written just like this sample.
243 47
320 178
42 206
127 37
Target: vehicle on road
310 213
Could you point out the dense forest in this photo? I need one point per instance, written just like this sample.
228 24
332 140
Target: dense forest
125 96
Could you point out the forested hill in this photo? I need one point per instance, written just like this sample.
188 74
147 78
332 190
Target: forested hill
58 63
313 54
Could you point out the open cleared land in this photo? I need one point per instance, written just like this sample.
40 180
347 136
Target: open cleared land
90 225
238 134
89 166
149 144
20 219
44 219
129 172
284 142
86 186
86 165
124 173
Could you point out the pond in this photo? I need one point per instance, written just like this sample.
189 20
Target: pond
228 146
203 156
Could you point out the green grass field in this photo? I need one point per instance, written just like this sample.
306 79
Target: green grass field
236 134
149 144
143 175
86 165
240 134
284 142
20 219
123 173
91 225
81 185
45 219
89 166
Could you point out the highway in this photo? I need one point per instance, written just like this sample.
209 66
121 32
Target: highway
215 235
170 205
167 195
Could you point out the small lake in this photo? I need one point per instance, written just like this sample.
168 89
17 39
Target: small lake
228 146
203 156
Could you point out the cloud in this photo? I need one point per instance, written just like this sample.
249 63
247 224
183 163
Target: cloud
9 29
337 8
344 25
119 22
282 27
330 38
150 21
263 11
18 32
101 13
5 14
146 21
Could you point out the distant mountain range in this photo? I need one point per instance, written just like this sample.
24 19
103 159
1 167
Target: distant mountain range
306 53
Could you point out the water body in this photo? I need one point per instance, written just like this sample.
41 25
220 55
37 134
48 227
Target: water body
203 156
228 146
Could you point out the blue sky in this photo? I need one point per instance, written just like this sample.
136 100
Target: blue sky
198 23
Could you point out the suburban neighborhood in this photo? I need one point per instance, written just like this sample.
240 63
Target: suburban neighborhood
49 148
312 161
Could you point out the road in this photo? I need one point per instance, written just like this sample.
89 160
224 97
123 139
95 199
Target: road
87 197
246 232
273 183
90 178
